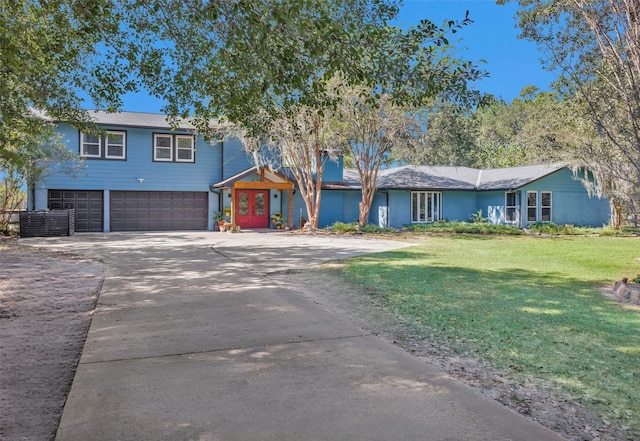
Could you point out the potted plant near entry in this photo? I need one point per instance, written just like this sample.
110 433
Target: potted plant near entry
218 220
276 220
280 223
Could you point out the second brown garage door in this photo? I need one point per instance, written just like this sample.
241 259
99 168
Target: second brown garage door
158 210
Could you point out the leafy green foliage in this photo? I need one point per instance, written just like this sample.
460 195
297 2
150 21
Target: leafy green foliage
496 134
245 61
375 229
50 52
345 227
464 227
355 227
594 46
477 218
552 229
532 308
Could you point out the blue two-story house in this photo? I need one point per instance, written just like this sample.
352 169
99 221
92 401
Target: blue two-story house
144 175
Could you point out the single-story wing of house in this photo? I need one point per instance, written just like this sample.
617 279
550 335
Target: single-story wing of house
145 175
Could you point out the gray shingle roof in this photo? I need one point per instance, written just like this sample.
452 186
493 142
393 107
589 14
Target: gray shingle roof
436 178
413 177
135 119
515 177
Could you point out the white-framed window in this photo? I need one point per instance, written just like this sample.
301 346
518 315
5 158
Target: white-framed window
174 148
532 206
185 148
511 207
426 206
162 147
112 146
90 146
115 145
545 206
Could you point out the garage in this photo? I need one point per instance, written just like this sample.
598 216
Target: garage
158 210
87 203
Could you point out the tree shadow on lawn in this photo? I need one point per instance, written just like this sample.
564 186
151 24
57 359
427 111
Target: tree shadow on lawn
548 328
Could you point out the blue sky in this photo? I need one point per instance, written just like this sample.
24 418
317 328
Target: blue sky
512 63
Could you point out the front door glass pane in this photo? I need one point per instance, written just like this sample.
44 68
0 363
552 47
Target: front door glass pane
259 204
243 205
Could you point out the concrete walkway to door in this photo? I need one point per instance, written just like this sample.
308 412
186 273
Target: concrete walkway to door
192 341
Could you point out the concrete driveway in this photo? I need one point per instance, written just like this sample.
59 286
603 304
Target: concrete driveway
191 341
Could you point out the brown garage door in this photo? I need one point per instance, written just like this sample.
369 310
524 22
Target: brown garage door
87 203
158 210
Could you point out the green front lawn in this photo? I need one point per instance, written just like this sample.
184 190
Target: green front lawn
530 307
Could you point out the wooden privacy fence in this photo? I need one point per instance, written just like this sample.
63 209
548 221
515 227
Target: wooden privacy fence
45 223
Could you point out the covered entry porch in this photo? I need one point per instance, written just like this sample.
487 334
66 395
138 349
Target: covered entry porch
250 198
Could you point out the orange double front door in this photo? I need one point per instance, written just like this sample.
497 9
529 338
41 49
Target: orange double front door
252 208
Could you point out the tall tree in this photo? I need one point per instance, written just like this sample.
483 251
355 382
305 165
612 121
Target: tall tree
409 70
52 52
301 141
369 131
595 47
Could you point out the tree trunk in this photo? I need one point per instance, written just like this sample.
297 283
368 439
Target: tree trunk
617 214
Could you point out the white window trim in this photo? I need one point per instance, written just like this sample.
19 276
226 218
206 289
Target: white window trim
155 147
531 206
514 206
124 145
82 144
192 149
550 206
436 214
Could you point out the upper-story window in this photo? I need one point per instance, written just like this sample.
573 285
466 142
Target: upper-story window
112 146
90 146
162 147
173 148
185 148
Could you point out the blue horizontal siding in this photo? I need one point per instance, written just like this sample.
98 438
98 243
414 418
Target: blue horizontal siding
379 202
570 201
459 205
236 159
109 175
351 206
123 175
399 208
333 170
492 204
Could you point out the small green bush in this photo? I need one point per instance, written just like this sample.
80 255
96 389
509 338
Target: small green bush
464 227
374 229
553 229
341 227
476 218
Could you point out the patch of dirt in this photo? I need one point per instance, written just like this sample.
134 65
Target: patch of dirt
46 303
561 414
